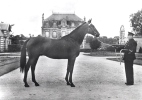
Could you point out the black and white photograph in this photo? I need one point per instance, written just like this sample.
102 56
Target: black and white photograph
70 50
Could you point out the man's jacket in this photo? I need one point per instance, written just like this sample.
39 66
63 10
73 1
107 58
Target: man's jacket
129 53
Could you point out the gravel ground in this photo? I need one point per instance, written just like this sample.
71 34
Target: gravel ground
96 78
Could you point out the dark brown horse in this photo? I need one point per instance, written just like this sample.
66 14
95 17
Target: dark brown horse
68 47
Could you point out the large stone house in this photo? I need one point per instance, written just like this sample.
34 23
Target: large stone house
5 30
58 25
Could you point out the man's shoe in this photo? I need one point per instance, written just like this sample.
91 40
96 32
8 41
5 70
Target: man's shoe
129 83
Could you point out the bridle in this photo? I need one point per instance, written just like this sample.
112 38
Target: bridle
90 28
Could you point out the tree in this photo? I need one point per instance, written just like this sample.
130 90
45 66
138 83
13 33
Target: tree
95 44
106 40
16 39
116 37
136 22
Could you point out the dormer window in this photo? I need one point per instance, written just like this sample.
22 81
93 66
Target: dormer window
63 23
54 25
47 25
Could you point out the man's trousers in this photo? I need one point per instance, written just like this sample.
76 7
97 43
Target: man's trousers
129 72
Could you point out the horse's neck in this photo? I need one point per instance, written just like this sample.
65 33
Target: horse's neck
78 35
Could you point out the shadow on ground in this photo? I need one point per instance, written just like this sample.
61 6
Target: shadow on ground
8 64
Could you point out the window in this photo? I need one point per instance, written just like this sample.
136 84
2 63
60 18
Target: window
47 34
80 24
54 35
63 33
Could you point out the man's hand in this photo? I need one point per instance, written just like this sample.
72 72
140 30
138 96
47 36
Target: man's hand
130 51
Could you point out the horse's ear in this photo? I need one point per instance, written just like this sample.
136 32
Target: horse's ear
89 21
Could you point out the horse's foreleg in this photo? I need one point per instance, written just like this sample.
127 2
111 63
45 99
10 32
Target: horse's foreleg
71 66
26 72
33 72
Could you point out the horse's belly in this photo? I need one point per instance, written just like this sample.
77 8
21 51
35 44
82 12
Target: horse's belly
57 55
60 51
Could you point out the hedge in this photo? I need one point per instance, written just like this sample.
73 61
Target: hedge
14 48
85 50
140 50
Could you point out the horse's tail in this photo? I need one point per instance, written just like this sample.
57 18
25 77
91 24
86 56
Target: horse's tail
23 57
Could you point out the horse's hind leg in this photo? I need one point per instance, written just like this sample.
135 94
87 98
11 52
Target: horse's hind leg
26 72
71 66
67 75
33 71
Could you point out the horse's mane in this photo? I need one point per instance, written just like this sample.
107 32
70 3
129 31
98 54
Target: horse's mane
66 36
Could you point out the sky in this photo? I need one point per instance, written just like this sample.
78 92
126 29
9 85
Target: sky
107 15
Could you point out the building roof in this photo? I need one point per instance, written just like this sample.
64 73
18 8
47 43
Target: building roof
68 17
4 27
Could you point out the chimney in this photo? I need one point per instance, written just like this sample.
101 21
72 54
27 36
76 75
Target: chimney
84 19
42 24
42 18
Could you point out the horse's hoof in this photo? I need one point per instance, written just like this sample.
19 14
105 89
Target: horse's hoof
72 85
26 85
68 83
36 84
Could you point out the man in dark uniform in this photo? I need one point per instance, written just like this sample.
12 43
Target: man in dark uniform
129 57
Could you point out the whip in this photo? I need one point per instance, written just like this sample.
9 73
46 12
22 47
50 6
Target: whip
119 59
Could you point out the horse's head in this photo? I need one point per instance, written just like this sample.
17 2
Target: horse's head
92 30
